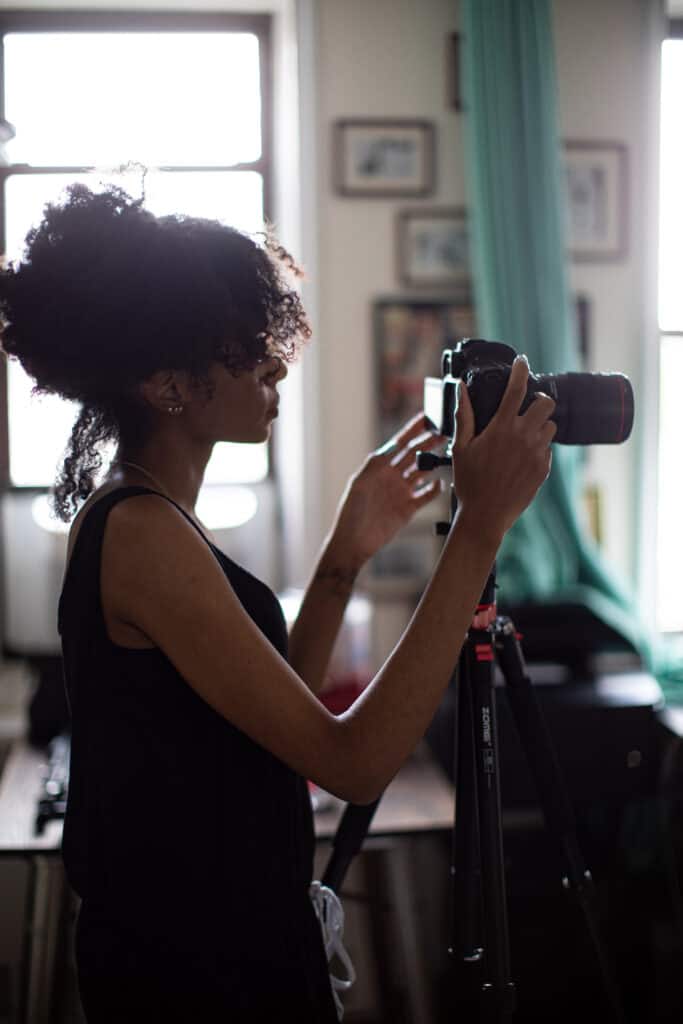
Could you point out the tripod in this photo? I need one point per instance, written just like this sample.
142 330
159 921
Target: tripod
479 926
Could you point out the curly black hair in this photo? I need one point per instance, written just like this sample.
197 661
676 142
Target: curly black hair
106 293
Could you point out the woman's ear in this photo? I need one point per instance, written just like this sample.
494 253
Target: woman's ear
167 390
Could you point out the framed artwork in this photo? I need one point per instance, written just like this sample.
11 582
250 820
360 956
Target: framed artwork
597 204
409 336
582 311
453 88
391 157
433 249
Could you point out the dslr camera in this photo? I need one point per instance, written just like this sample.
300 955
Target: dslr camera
590 408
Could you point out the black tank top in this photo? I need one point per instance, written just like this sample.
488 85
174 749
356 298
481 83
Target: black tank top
177 823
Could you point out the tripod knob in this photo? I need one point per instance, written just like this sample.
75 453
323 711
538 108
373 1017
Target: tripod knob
426 461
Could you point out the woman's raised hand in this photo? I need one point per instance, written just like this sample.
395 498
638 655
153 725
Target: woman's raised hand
385 493
497 473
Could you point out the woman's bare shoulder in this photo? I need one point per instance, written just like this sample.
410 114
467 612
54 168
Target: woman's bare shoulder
77 522
133 517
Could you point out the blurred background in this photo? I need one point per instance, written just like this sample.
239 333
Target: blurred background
344 123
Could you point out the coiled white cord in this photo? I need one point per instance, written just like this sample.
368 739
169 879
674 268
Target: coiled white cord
330 913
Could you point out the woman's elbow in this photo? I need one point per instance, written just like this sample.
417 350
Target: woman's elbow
359 778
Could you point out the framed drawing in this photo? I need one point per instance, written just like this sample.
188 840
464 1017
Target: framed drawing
597 204
391 157
433 249
582 312
453 89
409 336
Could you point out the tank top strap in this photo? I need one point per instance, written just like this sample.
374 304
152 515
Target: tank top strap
99 510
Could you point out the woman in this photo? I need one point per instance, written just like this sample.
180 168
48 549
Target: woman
188 833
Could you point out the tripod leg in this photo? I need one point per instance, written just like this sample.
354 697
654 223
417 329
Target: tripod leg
499 991
348 840
557 810
466 926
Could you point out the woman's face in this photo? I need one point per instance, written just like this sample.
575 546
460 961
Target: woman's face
240 408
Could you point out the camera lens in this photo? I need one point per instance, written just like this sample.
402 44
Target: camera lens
591 408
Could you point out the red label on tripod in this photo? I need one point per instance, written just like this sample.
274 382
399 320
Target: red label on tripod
484 652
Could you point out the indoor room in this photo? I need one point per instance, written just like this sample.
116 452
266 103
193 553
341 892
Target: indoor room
367 702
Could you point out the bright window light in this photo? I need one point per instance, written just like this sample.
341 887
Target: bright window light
208 116
103 98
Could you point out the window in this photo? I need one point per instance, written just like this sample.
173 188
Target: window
192 105
670 497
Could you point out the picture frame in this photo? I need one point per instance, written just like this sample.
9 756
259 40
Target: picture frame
453 64
432 248
390 157
410 334
583 315
596 180
409 337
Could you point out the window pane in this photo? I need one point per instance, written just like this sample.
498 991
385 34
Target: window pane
102 99
670 503
234 197
39 427
671 194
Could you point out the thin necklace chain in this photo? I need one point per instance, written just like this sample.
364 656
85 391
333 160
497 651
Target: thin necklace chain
141 469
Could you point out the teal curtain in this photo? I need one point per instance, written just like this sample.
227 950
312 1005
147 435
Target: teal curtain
522 297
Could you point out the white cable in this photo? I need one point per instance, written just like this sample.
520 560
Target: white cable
330 913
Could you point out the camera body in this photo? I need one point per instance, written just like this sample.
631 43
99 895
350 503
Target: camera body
590 408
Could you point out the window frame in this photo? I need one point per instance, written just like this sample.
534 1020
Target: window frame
72 21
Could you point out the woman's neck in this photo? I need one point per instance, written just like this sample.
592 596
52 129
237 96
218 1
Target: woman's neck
175 469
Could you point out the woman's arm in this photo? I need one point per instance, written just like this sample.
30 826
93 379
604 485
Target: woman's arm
314 632
187 607
381 498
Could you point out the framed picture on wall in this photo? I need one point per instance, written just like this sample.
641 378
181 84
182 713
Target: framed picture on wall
582 312
409 336
453 87
433 249
391 157
597 203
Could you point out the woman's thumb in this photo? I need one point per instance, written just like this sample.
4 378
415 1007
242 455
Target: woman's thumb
464 417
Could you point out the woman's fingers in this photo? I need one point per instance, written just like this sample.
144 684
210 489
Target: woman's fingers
464 419
514 393
426 492
415 429
405 460
540 411
548 431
